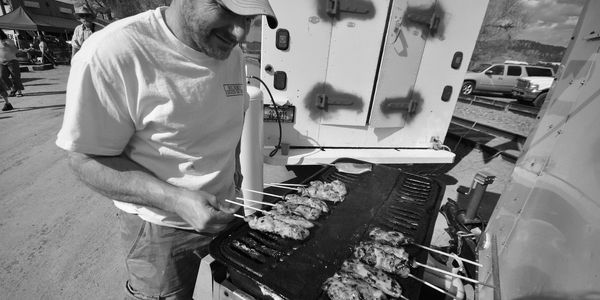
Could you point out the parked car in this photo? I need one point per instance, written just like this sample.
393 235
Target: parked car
500 78
532 90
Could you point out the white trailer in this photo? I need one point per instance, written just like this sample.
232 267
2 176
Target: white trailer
370 80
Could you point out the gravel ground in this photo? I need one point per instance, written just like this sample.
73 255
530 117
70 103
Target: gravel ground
506 120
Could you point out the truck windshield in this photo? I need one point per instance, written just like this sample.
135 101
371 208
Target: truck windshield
480 68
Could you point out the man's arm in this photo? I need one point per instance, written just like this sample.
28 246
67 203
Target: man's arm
119 178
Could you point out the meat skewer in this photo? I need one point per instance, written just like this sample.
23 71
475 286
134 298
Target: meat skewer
304 211
312 202
263 193
334 191
392 238
432 286
286 184
375 277
449 255
287 187
255 201
281 216
269 224
396 260
365 290
248 206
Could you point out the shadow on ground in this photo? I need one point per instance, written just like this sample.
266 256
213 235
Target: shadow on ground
57 106
45 93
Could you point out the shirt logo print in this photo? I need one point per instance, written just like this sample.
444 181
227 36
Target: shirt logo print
233 90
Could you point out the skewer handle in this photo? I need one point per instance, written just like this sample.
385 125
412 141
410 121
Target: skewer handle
451 274
431 286
255 201
248 206
263 193
449 255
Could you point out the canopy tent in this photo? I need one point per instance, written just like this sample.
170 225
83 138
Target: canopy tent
20 19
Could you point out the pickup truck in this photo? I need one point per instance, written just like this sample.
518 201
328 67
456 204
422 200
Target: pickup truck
532 90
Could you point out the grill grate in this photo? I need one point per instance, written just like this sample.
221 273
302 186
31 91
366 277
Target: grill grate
384 197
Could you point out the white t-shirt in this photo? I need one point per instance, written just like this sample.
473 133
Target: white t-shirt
134 88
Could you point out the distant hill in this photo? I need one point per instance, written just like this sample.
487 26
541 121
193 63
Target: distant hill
521 50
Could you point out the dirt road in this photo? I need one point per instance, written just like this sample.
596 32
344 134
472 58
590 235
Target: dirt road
58 239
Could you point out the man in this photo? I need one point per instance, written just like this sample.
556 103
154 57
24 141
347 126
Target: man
83 31
154 112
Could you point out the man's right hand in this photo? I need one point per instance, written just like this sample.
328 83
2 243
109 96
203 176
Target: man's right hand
202 211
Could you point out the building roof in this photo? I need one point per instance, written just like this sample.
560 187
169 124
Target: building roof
20 19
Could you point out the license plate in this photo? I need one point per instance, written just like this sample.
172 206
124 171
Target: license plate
286 113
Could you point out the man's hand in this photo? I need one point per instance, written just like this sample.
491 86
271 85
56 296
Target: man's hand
203 211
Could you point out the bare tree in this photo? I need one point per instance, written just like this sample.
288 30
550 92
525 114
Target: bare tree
503 20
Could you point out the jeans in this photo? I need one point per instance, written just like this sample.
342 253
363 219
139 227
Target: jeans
12 69
162 262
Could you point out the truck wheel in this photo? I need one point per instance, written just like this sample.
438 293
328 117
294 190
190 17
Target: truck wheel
539 100
467 88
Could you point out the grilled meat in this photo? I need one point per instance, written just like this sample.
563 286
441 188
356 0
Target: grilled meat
392 238
398 252
375 277
333 192
304 211
283 229
337 290
312 202
380 259
366 291
248 251
293 219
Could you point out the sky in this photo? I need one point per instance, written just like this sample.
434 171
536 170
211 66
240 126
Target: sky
552 21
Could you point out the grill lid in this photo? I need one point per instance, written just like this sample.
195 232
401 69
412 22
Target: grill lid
385 197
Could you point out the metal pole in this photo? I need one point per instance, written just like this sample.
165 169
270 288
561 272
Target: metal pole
481 181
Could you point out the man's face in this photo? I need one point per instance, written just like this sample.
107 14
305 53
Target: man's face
86 19
211 28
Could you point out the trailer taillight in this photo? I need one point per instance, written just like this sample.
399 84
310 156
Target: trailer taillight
282 41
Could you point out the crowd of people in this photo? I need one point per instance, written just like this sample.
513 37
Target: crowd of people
10 69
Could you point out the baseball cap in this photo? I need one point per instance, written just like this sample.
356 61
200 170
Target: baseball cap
251 8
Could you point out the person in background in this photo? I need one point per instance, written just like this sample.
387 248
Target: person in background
83 31
3 88
10 70
154 111
46 53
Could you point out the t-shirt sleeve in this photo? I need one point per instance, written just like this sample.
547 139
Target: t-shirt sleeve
97 119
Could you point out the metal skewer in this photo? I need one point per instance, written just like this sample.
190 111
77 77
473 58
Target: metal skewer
449 255
450 274
248 206
255 201
282 186
267 194
239 216
288 184
431 286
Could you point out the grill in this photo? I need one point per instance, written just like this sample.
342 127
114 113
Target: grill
263 264
522 84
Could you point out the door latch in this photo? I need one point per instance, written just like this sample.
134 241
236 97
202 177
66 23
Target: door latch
323 102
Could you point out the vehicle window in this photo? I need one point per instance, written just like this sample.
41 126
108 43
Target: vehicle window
480 68
497 70
514 71
533 71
